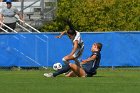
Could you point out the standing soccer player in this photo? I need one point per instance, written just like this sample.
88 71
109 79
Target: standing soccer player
78 47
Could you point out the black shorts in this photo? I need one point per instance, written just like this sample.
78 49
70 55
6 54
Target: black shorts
11 25
89 69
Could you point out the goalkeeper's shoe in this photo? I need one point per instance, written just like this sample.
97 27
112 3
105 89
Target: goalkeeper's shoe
48 74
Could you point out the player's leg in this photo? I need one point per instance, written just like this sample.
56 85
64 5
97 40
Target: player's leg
65 69
67 58
77 70
74 57
71 74
77 56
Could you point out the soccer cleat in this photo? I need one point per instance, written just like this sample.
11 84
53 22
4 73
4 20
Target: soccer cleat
48 74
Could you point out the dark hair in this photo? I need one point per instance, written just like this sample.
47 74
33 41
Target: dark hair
99 46
68 22
71 32
8 3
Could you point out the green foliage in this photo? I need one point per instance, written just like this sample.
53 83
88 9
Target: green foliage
97 15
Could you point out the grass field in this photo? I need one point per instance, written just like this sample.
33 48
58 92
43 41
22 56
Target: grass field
106 81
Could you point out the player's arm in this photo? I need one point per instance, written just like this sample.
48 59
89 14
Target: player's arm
62 33
89 59
75 46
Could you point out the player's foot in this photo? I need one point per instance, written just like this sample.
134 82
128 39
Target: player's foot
48 74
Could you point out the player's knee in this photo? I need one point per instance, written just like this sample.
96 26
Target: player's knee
63 59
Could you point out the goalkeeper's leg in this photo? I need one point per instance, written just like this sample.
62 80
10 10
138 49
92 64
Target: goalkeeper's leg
65 69
78 70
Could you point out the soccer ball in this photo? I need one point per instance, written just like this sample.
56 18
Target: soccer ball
57 66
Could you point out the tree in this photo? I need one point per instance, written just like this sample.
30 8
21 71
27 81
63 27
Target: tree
97 15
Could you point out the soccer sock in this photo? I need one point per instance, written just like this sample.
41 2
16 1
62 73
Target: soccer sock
66 68
65 61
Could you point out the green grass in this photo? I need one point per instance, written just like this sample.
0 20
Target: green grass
106 81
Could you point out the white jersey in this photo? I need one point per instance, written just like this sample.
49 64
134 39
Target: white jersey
79 51
79 39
